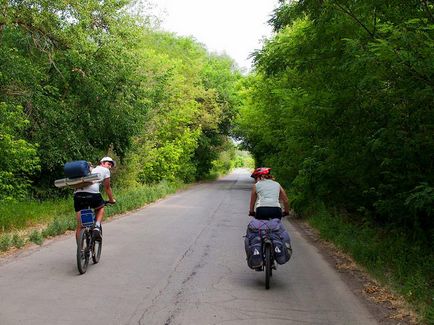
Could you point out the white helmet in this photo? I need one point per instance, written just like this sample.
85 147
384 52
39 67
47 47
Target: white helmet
109 160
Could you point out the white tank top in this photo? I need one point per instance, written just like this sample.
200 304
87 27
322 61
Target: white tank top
268 193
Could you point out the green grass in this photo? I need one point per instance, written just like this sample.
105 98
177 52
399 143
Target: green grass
30 221
20 215
390 256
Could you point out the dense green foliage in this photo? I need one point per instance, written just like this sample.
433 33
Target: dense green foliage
18 157
83 79
341 106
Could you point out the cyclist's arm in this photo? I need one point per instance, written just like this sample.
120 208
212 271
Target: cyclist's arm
284 199
108 189
253 197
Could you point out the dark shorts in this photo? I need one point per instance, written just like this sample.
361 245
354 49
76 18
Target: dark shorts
84 200
266 213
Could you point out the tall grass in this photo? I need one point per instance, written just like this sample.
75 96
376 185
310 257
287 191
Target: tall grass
391 256
23 214
30 221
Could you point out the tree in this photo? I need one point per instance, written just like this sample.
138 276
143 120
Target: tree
18 159
349 84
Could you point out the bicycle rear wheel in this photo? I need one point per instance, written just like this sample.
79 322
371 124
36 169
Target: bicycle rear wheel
267 266
83 251
96 250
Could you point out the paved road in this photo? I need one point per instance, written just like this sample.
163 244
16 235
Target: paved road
178 261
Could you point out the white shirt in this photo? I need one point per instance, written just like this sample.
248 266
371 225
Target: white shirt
268 193
94 188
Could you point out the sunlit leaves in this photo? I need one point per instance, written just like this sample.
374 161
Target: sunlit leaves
94 79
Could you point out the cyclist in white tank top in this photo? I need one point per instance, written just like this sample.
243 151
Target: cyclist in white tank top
267 192
265 200
266 196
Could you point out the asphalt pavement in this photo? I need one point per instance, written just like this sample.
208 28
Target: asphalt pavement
180 260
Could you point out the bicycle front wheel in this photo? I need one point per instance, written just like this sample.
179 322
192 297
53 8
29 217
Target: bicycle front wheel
267 266
83 251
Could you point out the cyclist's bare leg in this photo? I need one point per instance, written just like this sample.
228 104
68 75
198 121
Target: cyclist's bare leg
99 214
77 230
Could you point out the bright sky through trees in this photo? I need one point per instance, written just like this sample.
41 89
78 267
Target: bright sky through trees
235 27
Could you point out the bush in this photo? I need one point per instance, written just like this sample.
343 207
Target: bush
5 242
36 237
17 241
18 157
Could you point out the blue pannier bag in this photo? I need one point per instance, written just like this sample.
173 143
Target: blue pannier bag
281 241
253 248
278 235
77 168
282 250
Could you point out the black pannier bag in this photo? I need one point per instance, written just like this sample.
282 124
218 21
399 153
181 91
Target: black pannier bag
77 168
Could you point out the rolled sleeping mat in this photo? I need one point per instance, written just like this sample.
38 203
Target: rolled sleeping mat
78 182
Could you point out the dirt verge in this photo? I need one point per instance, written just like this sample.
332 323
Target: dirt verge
387 307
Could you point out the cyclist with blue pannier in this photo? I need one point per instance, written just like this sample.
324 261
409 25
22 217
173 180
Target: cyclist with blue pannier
90 196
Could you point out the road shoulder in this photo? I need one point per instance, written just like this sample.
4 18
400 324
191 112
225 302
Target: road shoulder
387 308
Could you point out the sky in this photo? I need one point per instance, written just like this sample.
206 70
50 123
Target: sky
234 27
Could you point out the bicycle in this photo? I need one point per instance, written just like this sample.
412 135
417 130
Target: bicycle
267 256
266 246
87 245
